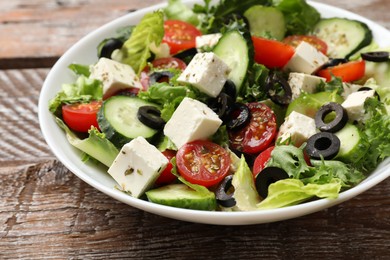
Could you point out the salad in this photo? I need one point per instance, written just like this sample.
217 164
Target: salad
236 106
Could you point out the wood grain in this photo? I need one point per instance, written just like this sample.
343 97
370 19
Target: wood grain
46 212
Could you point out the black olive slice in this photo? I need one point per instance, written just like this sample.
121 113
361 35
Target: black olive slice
150 116
323 144
240 117
224 193
334 62
109 47
160 76
368 88
268 176
278 89
186 55
376 56
337 123
230 89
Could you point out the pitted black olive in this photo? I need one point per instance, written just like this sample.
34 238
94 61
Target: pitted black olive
150 116
186 55
337 123
323 144
222 106
376 56
334 62
160 76
224 193
268 176
367 89
230 89
109 47
239 117
278 89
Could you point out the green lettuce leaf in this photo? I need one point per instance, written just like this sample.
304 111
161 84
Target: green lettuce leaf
290 192
84 90
136 50
96 145
253 87
80 69
245 192
176 10
299 15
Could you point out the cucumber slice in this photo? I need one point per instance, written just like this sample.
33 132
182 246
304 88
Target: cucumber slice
343 36
181 196
353 145
117 119
236 50
266 21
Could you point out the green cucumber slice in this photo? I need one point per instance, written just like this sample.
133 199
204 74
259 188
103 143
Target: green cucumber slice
343 36
182 196
117 119
353 145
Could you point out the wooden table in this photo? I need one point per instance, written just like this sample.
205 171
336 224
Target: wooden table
48 212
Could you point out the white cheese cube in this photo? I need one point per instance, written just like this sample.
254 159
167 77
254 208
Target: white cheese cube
192 120
298 127
137 166
114 75
206 72
354 104
301 82
207 41
349 88
307 59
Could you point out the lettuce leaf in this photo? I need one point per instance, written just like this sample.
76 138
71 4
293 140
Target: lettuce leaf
290 192
245 192
299 15
176 10
80 69
136 50
84 90
95 146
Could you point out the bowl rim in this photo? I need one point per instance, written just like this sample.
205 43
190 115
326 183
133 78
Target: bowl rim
46 122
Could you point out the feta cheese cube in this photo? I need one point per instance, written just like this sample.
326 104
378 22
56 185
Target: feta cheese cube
207 41
192 120
307 59
354 104
114 75
206 72
298 127
349 88
301 82
137 166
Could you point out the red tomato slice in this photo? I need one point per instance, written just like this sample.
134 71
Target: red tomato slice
295 40
261 160
203 162
166 177
348 72
180 35
258 134
80 117
272 53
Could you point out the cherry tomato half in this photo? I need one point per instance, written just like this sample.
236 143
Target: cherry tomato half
258 134
295 40
81 116
180 35
272 53
166 176
261 160
203 162
348 72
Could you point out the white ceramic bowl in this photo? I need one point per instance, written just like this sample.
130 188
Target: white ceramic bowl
84 52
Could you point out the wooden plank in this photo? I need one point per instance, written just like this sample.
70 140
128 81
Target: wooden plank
36 33
46 210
